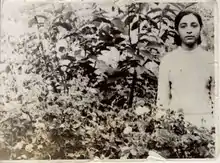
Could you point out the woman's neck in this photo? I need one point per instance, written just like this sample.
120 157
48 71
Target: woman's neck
189 48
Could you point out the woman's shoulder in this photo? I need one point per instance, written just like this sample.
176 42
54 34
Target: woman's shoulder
170 56
207 55
206 51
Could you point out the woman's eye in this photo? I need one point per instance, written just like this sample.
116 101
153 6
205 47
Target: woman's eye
182 26
194 25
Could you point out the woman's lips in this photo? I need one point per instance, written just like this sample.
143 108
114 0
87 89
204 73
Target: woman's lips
189 37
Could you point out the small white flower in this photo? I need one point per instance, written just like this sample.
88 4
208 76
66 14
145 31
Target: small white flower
133 152
49 87
71 155
141 110
92 90
64 62
19 145
127 130
210 145
159 114
39 147
44 136
62 125
29 148
40 125
2 140
48 81
22 157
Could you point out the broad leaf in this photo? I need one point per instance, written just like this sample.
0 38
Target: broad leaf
115 32
171 27
177 5
135 25
101 19
117 74
168 17
129 19
32 22
164 37
170 10
145 62
35 20
138 57
157 17
181 4
119 40
148 74
120 11
147 55
144 7
164 22
190 4
77 52
86 30
172 33
154 44
134 62
102 48
71 34
143 40
42 16
68 15
148 38
105 36
67 26
149 19
67 57
154 10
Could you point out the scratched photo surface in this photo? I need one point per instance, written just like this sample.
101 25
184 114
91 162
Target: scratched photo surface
107 80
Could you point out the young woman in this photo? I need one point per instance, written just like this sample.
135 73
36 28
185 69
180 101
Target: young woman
186 75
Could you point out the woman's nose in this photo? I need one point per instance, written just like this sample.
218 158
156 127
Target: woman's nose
189 32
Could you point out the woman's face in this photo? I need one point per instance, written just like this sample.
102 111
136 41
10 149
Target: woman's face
189 30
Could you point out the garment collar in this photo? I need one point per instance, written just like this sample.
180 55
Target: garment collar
198 48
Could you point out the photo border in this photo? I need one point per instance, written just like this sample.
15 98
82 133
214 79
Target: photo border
217 91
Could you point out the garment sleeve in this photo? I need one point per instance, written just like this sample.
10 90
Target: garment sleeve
209 58
213 82
163 91
213 92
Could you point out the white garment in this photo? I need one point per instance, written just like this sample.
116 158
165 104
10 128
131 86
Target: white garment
189 73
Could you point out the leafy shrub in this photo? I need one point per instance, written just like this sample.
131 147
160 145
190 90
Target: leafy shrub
57 103
46 125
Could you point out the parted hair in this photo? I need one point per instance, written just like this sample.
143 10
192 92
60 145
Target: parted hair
178 18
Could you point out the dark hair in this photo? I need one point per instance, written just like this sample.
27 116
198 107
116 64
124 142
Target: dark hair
178 19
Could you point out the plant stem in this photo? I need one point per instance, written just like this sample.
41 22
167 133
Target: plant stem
129 27
131 96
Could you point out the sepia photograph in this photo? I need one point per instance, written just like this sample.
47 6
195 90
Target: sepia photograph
109 79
